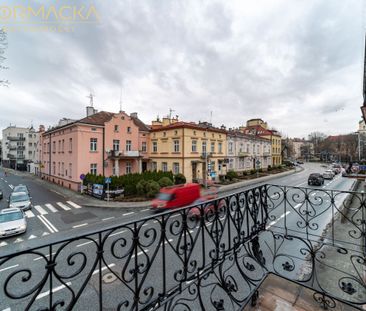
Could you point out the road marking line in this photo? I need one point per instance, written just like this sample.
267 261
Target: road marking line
49 223
116 233
128 214
63 206
144 210
297 205
47 226
38 258
29 214
18 240
83 244
81 225
51 208
105 267
40 210
45 233
10 267
3 244
7 309
56 289
108 218
11 186
32 237
277 220
6 181
73 204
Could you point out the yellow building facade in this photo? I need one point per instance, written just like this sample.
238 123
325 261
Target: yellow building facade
260 128
194 150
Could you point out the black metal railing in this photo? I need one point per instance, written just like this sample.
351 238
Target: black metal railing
213 256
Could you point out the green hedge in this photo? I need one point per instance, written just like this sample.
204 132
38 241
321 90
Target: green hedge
129 181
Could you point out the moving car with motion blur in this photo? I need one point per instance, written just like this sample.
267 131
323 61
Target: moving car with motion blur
176 196
21 188
12 222
315 179
328 174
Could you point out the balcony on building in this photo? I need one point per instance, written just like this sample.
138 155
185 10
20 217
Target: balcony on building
205 155
16 138
266 153
243 154
123 154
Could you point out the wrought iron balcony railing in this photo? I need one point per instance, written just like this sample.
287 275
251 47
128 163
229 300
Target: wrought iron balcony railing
213 256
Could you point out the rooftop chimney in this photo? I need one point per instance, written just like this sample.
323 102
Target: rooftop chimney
133 115
89 111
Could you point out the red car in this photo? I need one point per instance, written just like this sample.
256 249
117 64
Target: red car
176 196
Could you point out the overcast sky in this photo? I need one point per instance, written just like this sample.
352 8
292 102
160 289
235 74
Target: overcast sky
296 64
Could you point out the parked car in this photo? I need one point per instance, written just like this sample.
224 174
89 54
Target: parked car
176 196
12 222
315 179
20 200
1 194
328 174
21 188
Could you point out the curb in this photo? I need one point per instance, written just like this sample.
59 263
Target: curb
257 180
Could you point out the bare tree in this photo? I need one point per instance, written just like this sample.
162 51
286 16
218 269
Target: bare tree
3 47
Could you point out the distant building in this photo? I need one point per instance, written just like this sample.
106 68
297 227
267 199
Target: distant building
19 148
259 128
196 150
246 152
102 143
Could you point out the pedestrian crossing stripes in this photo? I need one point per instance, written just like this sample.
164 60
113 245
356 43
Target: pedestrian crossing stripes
65 207
73 204
48 208
51 208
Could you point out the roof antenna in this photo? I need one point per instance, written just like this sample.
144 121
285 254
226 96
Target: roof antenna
170 114
91 97
120 98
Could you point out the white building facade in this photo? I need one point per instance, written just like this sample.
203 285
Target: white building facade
247 152
20 148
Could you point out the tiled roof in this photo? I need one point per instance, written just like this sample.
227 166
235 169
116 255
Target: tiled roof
190 125
141 125
260 131
98 118
237 133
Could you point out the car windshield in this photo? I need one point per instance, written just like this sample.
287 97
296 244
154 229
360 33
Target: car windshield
164 196
20 189
10 216
19 198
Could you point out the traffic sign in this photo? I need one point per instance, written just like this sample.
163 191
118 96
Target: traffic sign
82 176
107 180
258 162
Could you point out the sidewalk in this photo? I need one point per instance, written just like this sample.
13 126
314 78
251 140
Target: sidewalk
88 201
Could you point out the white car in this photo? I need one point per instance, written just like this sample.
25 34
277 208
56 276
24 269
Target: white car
328 174
12 222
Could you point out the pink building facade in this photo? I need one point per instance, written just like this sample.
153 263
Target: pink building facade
102 143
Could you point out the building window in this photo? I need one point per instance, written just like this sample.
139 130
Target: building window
128 129
59 146
258 149
116 128
176 145
204 147
70 170
93 168
212 147
176 168
248 148
164 166
154 166
63 145
128 168
54 147
220 147
194 145
59 168
70 145
128 145
115 144
155 146
230 147
54 168
62 169
93 144
143 146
